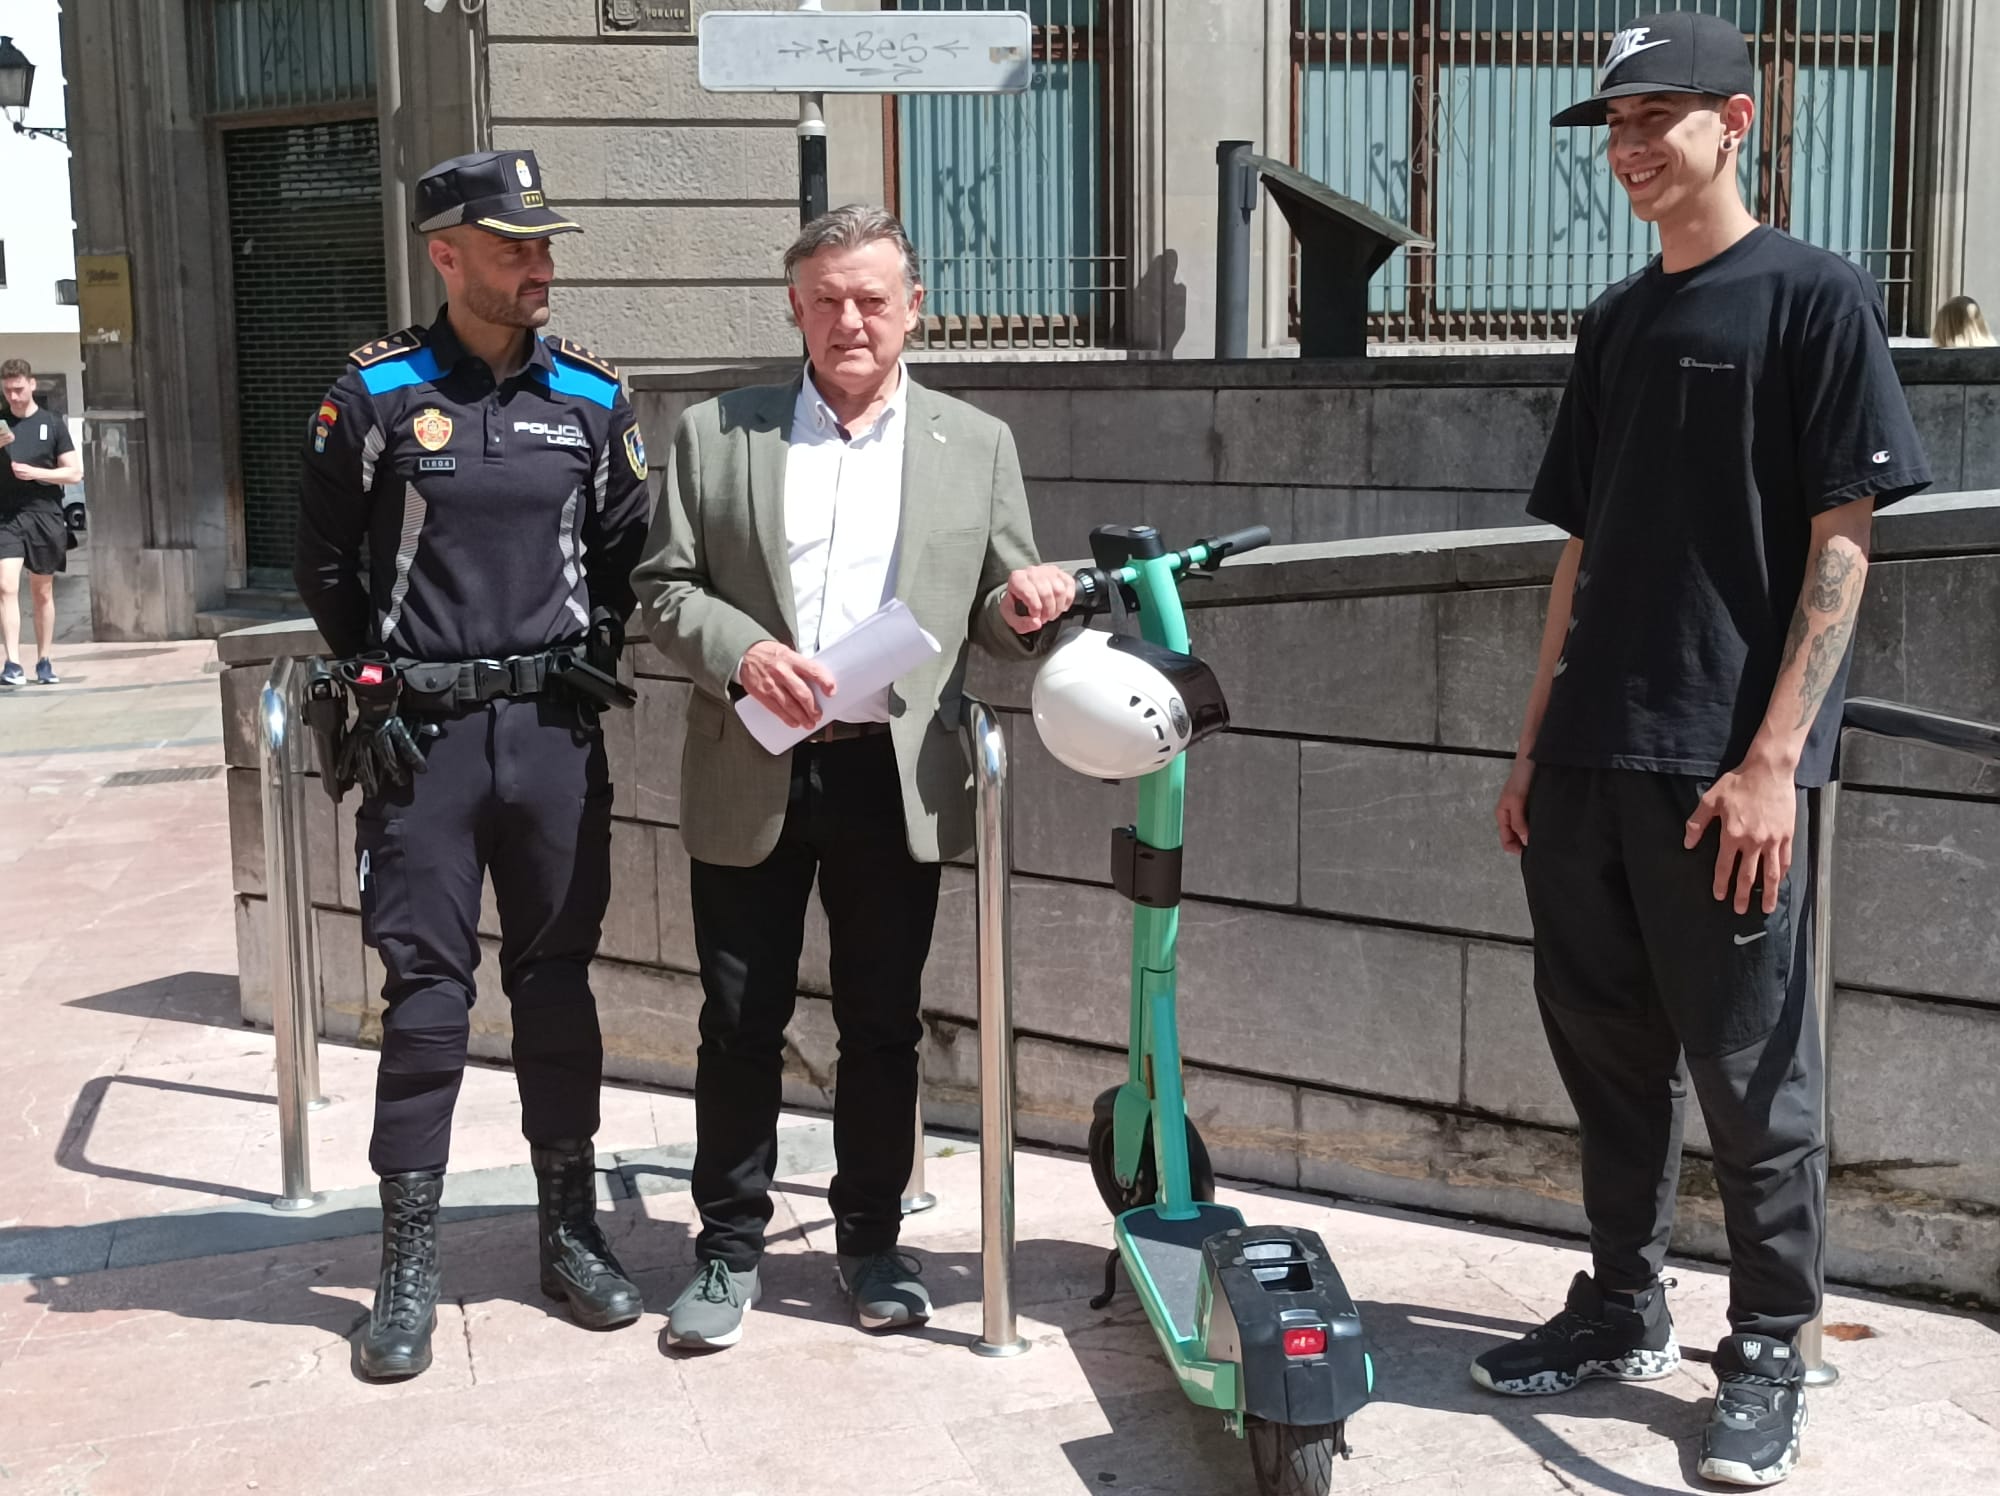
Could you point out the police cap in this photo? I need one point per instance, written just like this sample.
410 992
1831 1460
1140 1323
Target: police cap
499 191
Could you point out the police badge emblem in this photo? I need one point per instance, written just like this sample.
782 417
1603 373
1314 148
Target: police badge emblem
432 429
635 452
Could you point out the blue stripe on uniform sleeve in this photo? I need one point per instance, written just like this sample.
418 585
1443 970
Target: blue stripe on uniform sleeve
566 378
419 366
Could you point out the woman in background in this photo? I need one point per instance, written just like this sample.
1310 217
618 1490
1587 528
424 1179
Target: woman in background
1960 324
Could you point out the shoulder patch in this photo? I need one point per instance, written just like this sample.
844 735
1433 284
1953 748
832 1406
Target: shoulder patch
575 370
389 347
570 349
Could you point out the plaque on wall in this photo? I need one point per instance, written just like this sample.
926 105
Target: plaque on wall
645 18
104 299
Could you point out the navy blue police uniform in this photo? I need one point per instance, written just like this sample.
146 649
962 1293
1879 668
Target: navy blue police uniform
465 543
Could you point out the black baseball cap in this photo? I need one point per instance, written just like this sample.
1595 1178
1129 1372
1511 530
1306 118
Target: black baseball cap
499 191
1674 52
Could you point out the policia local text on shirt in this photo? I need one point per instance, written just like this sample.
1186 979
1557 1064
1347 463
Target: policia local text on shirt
498 482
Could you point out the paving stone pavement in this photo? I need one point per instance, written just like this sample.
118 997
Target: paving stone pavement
132 1101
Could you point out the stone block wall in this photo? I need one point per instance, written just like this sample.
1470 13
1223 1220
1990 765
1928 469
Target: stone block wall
1358 1012
687 198
1326 450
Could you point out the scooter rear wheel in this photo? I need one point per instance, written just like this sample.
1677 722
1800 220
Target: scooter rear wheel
1294 1459
1145 1188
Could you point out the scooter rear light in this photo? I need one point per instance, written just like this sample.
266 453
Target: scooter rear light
1305 1342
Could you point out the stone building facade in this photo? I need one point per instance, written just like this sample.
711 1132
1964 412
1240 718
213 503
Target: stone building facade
248 166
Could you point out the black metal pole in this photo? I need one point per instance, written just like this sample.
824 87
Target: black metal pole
812 159
1235 198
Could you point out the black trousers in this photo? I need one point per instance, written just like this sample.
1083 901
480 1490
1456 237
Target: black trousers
519 788
1637 964
843 825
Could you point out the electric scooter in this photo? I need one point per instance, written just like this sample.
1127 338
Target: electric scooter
1254 1319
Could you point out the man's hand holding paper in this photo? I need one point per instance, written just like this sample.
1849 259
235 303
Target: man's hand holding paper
872 655
783 682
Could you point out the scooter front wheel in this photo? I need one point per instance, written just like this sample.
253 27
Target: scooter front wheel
1145 1186
1294 1459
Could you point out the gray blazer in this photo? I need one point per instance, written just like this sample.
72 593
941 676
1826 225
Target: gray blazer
715 580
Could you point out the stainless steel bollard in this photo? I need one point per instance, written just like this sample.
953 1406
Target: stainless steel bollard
994 841
294 940
1819 1372
915 1196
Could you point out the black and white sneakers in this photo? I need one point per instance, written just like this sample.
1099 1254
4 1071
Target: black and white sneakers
1625 1336
1752 1438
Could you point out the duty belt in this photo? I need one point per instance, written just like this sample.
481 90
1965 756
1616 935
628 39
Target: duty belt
457 686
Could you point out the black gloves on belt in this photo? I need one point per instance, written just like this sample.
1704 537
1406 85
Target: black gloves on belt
381 749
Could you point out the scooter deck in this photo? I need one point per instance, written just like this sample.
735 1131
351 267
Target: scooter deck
1168 1255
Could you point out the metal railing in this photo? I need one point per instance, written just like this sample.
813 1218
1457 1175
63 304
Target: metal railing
294 939
1881 719
993 843
294 976
915 1196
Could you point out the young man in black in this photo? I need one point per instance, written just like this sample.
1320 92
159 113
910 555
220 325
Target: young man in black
1731 423
37 459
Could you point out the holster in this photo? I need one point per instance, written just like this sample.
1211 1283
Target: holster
569 668
326 719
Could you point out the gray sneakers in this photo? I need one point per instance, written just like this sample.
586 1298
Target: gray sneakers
887 1289
709 1313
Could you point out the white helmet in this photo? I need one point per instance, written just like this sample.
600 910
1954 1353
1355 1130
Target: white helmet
1115 707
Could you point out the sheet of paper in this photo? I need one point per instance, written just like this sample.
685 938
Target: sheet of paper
887 644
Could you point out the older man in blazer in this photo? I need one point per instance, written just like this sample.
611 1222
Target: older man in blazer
790 513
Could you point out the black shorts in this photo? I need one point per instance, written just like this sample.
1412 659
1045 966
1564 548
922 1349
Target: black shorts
39 536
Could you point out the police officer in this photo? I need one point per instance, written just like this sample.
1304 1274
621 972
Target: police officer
497 482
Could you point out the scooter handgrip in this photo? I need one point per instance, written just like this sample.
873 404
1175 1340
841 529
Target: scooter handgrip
1236 542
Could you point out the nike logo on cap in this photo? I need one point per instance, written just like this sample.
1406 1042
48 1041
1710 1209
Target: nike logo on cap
1625 46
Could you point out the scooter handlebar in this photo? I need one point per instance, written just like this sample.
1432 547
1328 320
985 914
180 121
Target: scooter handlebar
1249 538
1093 585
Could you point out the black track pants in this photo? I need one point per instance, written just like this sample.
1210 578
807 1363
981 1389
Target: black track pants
1636 964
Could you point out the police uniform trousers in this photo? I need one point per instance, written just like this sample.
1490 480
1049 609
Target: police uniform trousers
518 788
844 826
1638 964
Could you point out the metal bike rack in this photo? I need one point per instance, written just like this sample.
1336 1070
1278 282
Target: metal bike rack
294 939
987 746
1882 719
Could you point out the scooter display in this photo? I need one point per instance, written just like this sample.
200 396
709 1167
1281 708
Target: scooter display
1254 1319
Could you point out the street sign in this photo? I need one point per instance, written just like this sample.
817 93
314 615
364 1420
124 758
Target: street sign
918 51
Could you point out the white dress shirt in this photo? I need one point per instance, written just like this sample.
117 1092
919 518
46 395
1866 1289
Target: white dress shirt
843 513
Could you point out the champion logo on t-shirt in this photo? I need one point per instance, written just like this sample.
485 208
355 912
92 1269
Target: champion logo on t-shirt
1695 363
1880 459
1625 46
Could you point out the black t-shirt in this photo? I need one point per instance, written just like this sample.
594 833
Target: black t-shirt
40 440
1710 415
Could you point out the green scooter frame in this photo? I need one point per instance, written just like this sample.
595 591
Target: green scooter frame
1228 1301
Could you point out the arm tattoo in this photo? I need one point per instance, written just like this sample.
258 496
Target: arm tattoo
1826 594
1795 639
1829 583
1827 651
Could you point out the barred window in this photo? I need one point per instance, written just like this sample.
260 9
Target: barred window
1013 200
1436 113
